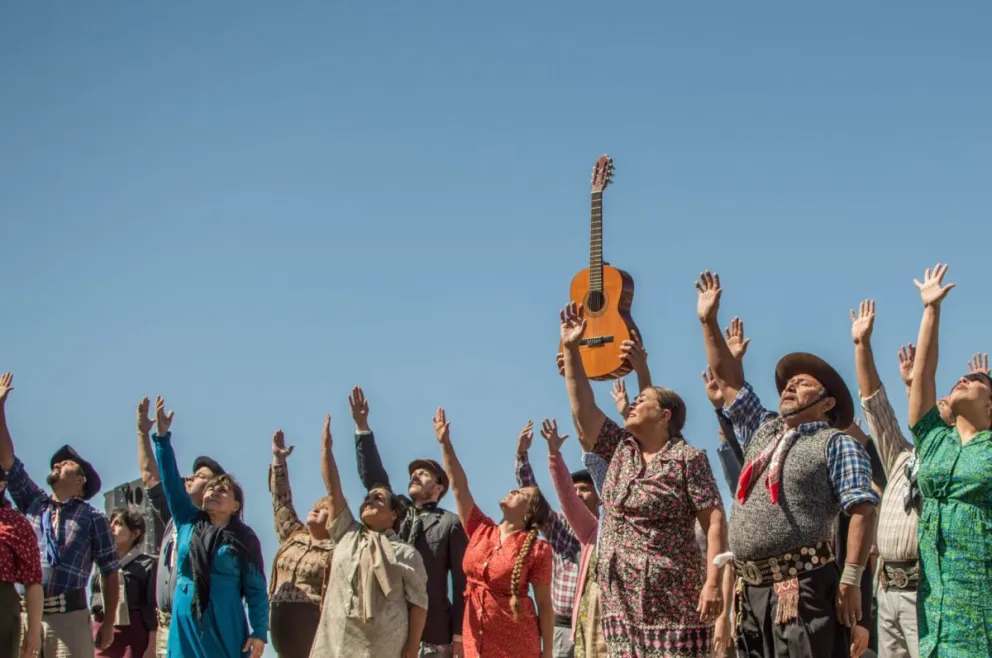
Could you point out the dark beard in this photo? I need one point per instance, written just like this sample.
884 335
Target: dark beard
52 478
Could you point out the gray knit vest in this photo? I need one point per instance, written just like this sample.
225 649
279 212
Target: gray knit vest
806 507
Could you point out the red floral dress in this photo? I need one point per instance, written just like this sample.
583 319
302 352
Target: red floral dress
650 568
490 629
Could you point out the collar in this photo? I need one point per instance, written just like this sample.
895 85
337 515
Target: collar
807 428
426 507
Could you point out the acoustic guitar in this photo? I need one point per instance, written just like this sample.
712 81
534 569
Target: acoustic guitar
605 292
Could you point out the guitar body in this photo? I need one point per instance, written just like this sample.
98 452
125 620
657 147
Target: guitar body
608 322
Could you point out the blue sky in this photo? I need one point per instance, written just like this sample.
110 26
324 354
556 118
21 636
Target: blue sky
252 207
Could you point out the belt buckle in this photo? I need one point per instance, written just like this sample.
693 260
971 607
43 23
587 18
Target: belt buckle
899 578
751 574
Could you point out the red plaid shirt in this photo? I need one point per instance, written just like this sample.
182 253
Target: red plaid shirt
566 548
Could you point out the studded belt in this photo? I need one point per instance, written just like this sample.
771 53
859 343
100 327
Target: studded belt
70 601
793 564
901 575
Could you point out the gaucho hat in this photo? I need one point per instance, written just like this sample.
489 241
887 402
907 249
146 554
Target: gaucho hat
804 363
435 468
68 453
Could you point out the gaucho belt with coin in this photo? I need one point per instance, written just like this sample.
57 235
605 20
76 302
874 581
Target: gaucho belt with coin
782 573
901 575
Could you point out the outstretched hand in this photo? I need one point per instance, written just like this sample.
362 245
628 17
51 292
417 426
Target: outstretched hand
326 436
634 353
907 357
359 409
162 419
525 438
279 449
713 391
549 430
932 292
708 302
6 385
573 325
979 363
145 423
735 339
863 322
441 426
620 398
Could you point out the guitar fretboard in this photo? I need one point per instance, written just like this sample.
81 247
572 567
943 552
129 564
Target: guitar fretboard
596 243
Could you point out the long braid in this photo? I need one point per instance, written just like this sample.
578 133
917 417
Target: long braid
518 568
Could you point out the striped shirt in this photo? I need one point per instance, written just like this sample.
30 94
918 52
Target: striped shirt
565 546
896 534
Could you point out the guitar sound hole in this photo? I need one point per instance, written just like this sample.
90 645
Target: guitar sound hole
595 301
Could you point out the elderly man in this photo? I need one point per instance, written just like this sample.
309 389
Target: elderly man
204 470
72 536
800 471
436 533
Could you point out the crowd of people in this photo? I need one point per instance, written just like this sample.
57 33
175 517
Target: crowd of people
640 561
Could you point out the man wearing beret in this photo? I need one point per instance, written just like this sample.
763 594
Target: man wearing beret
800 471
204 470
436 533
72 536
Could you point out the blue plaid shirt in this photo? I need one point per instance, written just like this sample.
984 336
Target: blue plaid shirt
847 460
82 534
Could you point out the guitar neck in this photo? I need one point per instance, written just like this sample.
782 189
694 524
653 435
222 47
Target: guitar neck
596 243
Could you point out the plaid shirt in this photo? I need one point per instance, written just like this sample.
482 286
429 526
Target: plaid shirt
847 460
566 548
82 534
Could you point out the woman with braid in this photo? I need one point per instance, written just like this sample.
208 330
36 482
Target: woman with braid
501 562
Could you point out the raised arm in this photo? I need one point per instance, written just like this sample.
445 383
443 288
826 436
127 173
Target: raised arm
728 370
28 496
332 478
370 469
146 455
862 324
6 443
182 508
589 418
283 511
584 523
464 503
634 353
923 392
522 468
907 358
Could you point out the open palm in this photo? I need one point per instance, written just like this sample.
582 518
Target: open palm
863 321
932 290
573 324
709 291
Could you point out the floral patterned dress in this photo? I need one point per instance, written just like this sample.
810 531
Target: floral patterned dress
955 618
650 568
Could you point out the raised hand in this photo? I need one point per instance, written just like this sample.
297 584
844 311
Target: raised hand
549 430
932 292
525 438
633 352
713 391
162 419
735 337
573 325
907 356
561 363
979 363
441 426
6 385
279 449
359 409
145 424
863 322
709 291
326 435
620 398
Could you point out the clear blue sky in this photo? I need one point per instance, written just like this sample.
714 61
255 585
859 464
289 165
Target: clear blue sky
252 207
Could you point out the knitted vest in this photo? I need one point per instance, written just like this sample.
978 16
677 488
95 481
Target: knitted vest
807 505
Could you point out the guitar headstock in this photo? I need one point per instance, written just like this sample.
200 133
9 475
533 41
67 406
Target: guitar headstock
602 173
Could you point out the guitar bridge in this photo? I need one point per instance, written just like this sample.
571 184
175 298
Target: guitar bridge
596 341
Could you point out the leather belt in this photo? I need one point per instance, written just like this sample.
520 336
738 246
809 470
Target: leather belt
70 601
793 564
901 575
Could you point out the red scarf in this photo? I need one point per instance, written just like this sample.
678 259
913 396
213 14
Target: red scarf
771 458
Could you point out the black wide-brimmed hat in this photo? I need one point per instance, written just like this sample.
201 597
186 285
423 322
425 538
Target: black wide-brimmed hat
804 363
68 453
435 468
